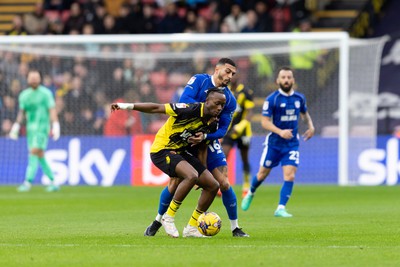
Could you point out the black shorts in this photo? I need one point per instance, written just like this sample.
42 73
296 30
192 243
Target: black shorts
167 161
231 142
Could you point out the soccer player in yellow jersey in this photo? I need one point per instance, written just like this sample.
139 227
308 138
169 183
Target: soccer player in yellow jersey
240 132
36 103
170 152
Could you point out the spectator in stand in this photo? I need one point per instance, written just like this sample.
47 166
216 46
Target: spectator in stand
190 20
201 25
8 113
214 25
147 94
263 17
199 63
224 28
100 112
122 23
15 88
135 16
56 27
9 65
224 7
18 26
77 98
85 121
118 84
3 86
109 25
97 18
76 20
149 23
282 16
124 123
128 70
252 23
91 48
59 5
36 22
236 20
171 22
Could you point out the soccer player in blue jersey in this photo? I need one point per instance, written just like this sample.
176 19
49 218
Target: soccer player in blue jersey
280 115
196 91
169 152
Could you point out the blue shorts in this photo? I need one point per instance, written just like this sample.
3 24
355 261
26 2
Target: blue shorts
271 156
215 156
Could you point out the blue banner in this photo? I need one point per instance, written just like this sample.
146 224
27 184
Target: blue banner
108 161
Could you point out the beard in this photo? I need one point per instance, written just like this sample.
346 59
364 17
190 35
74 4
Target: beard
286 87
223 83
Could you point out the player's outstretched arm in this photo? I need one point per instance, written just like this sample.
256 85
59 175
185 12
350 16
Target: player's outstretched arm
142 107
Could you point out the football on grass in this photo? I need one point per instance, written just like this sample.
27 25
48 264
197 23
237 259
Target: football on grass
209 223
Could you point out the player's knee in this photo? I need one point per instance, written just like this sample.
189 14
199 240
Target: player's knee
225 185
289 178
173 184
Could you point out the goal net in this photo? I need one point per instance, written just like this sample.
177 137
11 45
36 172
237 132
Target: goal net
338 75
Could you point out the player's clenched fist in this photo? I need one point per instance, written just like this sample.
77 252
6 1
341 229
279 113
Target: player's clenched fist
118 106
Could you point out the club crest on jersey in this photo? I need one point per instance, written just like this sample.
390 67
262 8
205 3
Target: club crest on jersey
283 105
181 105
268 163
191 81
297 104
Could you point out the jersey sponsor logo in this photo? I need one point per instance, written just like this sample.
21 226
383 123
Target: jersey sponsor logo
289 118
181 105
265 105
191 81
185 135
297 104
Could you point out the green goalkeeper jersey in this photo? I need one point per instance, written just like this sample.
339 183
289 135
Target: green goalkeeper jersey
36 104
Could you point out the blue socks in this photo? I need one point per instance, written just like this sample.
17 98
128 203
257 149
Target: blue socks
230 203
165 199
254 184
286 191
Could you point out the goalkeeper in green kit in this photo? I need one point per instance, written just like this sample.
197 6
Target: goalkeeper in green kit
36 103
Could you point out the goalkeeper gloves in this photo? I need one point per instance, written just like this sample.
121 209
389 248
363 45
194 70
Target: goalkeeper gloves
14 133
55 130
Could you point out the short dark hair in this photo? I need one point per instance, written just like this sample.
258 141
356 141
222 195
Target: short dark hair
284 68
225 60
215 90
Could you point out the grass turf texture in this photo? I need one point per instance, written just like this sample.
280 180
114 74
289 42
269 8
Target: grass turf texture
95 226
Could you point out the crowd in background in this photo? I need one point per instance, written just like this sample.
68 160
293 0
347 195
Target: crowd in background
84 87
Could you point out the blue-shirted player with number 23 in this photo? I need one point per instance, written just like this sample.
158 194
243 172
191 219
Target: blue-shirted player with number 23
280 115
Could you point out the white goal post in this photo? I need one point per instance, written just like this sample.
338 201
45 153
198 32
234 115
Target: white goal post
275 46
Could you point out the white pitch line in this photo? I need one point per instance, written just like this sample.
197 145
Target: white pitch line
191 246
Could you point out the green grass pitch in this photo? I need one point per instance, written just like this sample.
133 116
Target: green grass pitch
96 226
